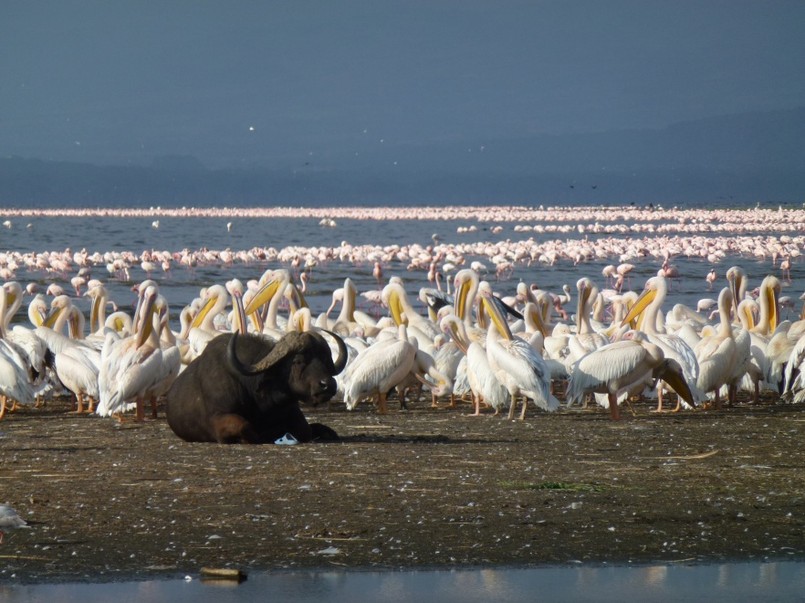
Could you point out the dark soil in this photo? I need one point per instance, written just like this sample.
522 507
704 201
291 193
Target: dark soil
417 488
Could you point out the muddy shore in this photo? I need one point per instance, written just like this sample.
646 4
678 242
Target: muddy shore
420 488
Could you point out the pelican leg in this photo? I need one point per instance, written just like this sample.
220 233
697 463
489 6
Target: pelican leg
525 407
2 411
659 399
512 407
90 405
476 400
717 401
140 412
434 403
381 404
153 407
79 404
614 412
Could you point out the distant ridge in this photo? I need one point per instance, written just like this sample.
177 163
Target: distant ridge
736 159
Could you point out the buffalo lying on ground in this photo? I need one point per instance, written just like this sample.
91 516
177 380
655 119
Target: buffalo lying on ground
248 388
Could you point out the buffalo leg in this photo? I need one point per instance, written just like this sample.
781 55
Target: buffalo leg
232 429
296 424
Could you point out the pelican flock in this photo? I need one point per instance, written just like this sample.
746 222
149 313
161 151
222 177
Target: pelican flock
493 337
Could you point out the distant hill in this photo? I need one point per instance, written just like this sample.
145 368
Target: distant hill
730 159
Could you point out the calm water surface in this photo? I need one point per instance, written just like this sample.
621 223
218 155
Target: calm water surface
730 582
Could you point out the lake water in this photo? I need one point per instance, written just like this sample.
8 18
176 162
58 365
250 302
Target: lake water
181 285
725 582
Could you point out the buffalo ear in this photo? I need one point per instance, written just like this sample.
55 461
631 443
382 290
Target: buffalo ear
232 358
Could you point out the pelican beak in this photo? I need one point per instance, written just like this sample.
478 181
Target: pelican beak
640 304
52 317
674 377
263 295
240 314
118 325
584 293
74 323
774 308
497 318
198 319
749 317
94 312
147 321
455 335
461 298
735 288
536 316
395 306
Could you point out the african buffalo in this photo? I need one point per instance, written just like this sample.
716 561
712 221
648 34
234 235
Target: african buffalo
248 388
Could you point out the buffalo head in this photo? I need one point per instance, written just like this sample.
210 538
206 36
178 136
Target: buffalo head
303 361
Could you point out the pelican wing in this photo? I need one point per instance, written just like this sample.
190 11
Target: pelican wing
613 366
377 369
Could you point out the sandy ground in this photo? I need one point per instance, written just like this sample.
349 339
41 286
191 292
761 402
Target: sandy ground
417 488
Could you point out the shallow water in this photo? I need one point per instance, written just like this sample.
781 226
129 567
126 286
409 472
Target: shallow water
755 581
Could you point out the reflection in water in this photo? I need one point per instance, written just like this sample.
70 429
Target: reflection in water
723 582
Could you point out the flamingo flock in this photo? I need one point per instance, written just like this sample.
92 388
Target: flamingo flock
466 332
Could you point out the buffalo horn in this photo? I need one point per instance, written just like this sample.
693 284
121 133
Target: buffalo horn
289 343
341 361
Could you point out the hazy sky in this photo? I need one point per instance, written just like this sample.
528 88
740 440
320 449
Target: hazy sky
236 82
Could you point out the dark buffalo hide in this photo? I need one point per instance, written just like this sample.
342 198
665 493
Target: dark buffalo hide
248 389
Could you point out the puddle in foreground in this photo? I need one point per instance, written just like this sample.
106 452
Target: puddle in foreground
720 582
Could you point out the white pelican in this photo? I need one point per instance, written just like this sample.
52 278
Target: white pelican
424 330
202 327
77 368
25 340
171 361
649 306
618 366
758 368
448 357
238 315
14 381
349 320
466 288
518 366
268 296
483 382
379 368
716 353
586 339
130 366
